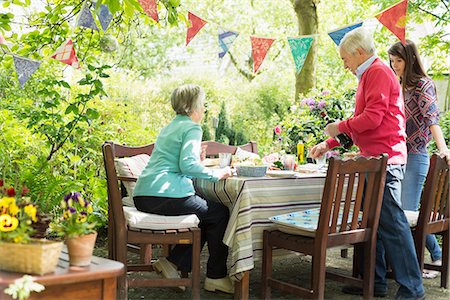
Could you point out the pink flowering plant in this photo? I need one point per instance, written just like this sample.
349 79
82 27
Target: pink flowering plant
305 121
77 217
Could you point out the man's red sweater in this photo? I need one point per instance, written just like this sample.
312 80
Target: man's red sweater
378 123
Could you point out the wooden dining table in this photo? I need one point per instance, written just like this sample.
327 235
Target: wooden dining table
251 201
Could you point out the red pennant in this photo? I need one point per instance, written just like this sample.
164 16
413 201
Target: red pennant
66 54
197 23
260 47
2 40
394 19
150 8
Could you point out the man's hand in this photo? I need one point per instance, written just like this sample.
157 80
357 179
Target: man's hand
319 150
332 129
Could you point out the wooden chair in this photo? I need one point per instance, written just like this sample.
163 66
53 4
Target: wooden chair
214 148
345 184
433 216
120 234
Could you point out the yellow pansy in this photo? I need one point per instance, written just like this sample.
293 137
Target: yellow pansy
14 209
8 223
31 211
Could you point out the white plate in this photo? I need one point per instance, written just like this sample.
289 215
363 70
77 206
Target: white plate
280 173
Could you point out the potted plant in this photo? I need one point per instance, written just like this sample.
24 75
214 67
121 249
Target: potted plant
19 252
77 226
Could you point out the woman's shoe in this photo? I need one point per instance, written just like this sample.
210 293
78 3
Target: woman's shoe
221 284
168 270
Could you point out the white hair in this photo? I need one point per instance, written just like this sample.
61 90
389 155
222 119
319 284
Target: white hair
357 38
187 99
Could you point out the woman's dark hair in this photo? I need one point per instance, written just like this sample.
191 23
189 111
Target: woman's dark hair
414 70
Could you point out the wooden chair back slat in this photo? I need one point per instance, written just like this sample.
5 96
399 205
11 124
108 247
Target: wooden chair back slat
337 204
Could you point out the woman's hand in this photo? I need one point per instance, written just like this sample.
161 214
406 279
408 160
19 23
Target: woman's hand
445 154
203 152
319 150
225 173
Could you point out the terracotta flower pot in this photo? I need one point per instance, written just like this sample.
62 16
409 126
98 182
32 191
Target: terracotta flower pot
80 249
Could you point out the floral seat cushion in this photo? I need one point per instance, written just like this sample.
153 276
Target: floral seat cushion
141 220
303 222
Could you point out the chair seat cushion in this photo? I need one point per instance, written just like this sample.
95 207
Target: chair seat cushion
141 220
302 222
412 217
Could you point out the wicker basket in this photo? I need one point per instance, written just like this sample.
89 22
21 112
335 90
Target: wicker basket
251 171
40 256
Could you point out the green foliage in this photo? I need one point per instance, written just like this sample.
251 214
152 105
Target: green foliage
305 122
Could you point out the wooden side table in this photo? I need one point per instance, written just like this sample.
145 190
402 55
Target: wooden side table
97 281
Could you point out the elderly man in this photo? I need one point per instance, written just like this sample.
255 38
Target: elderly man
378 126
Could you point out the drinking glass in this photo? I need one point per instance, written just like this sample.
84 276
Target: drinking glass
224 159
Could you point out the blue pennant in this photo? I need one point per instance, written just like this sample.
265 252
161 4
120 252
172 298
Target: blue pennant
105 17
337 35
85 19
226 39
25 68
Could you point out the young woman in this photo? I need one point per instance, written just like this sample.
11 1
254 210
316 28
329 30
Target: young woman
165 187
422 124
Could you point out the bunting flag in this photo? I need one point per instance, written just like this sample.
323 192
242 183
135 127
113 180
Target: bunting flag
2 40
394 19
151 8
85 18
299 49
338 34
197 23
25 68
226 39
66 54
260 47
104 16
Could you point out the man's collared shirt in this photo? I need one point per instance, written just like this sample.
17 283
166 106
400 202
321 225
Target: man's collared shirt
364 66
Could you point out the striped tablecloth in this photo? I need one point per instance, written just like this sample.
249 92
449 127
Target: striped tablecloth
251 202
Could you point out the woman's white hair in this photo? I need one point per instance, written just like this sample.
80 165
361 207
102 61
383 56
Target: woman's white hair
187 98
357 38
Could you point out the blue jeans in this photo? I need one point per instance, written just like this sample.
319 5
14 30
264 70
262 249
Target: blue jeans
213 218
395 241
416 172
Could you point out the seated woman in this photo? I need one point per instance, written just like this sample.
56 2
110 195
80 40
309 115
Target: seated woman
165 187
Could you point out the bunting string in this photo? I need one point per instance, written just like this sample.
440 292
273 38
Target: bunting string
393 18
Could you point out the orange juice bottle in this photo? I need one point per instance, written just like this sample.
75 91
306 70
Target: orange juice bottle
301 152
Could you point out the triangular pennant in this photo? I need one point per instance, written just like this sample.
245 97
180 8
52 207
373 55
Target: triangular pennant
66 54
226 39
197 23
338 34
299 49
25 68
260 47
151 8
104 16
2 40
85 18
394 19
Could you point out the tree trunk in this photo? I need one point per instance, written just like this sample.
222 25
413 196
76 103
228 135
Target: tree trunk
308 23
